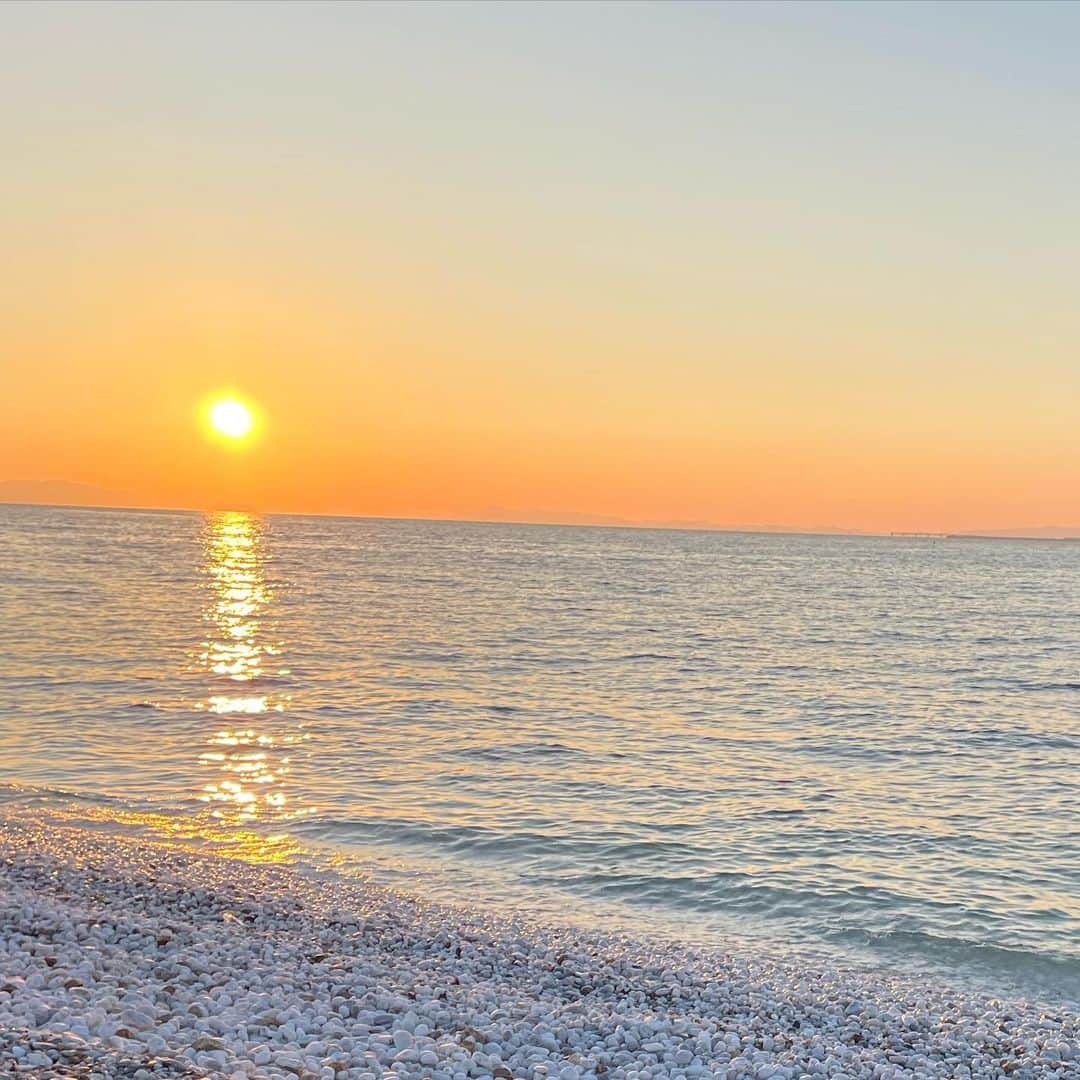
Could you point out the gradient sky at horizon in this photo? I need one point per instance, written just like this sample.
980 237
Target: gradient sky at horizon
802 265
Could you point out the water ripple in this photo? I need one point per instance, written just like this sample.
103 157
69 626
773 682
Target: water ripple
866 743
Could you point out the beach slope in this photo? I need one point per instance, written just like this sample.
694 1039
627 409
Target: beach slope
125 958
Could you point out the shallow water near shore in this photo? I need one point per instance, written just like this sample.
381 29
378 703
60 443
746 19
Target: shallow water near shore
868 747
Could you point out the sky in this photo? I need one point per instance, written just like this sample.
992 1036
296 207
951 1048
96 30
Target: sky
802 266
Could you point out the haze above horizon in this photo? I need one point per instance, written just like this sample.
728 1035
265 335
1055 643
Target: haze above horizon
794 266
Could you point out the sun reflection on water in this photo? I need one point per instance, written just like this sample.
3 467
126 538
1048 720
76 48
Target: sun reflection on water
233 559
250 764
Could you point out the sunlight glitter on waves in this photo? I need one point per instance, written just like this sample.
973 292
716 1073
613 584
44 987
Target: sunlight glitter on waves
251 705
250 773
180 832
248 736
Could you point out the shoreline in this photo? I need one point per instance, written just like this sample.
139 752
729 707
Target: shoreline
123 957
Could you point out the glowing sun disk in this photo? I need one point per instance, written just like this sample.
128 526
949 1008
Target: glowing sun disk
231 418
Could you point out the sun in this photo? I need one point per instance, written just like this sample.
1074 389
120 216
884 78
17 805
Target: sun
230 418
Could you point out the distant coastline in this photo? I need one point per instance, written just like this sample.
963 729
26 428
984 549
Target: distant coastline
571 521
1033 535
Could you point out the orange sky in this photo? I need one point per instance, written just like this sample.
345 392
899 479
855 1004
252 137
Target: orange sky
654 265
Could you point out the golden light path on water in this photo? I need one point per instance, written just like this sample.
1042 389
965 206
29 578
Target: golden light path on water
243 751
248 756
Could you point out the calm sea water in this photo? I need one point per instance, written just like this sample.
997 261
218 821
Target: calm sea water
863 745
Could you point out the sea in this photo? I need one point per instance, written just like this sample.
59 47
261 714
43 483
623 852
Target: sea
861 750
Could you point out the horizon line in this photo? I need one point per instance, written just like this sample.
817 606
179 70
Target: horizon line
1008 533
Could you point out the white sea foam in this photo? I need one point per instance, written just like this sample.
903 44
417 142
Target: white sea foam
127 958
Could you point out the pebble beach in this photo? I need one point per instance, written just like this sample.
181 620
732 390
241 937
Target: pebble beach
129 958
